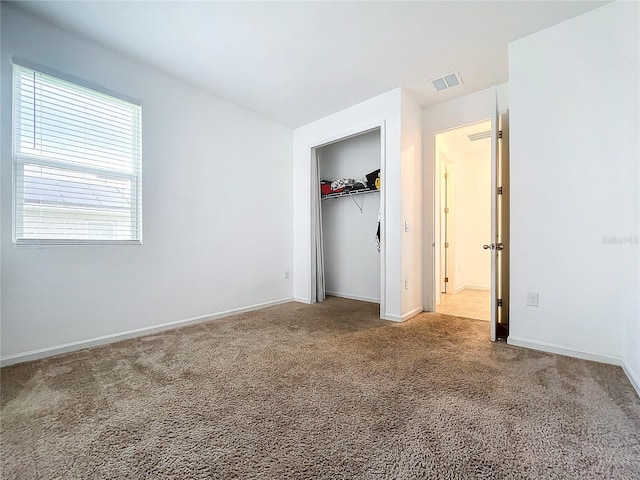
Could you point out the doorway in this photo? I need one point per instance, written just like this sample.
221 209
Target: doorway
347 238
497 245
463 215
350 204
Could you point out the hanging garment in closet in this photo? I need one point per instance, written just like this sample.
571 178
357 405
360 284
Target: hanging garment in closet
378 232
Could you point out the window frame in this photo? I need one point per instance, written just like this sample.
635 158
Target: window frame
18 161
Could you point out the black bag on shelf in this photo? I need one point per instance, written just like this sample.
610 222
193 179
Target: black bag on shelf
371 179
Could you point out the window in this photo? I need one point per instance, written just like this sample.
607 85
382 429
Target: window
102 230
77 162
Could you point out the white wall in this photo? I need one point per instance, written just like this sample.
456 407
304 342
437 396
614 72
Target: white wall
217 213
454 113
400 117
1 182
383 109
473 219
574 185
411 205
352 261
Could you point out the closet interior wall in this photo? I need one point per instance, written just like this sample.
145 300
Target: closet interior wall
351 258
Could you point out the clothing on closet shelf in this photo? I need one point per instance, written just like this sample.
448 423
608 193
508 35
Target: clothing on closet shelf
370 181
341 184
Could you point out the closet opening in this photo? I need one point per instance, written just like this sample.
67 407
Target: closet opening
347 204
463 221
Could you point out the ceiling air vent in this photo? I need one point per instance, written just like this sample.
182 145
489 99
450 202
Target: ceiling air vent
449 80
479 136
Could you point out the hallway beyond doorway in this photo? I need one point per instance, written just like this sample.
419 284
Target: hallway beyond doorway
467 303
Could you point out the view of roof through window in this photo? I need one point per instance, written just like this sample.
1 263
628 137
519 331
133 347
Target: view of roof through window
78 161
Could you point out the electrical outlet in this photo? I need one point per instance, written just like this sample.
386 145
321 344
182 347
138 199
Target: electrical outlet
286 274
532 299
406 226
406 284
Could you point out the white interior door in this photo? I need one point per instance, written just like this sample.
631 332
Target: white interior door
444 229
494 223
499 226
503 225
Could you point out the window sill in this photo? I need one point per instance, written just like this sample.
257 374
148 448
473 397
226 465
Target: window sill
79 243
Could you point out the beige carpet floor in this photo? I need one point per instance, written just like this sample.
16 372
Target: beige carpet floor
318 392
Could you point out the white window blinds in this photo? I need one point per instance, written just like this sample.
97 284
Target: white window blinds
77 163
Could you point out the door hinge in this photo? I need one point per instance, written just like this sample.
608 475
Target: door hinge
499 302
499 133
446 244
446 279
446 175
446 210
499 190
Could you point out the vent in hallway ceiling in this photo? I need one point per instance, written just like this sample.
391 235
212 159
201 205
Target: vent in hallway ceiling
479 136
449 80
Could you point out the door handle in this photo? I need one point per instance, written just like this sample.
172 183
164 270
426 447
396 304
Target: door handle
487 247
499 246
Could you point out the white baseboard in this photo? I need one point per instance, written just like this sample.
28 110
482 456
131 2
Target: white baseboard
572 352
302 300
413 312
478 287
392 318
472 287
116 337
631 375
400 319
354 297
563 350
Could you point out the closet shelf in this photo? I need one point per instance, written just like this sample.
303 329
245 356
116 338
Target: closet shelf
349 193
